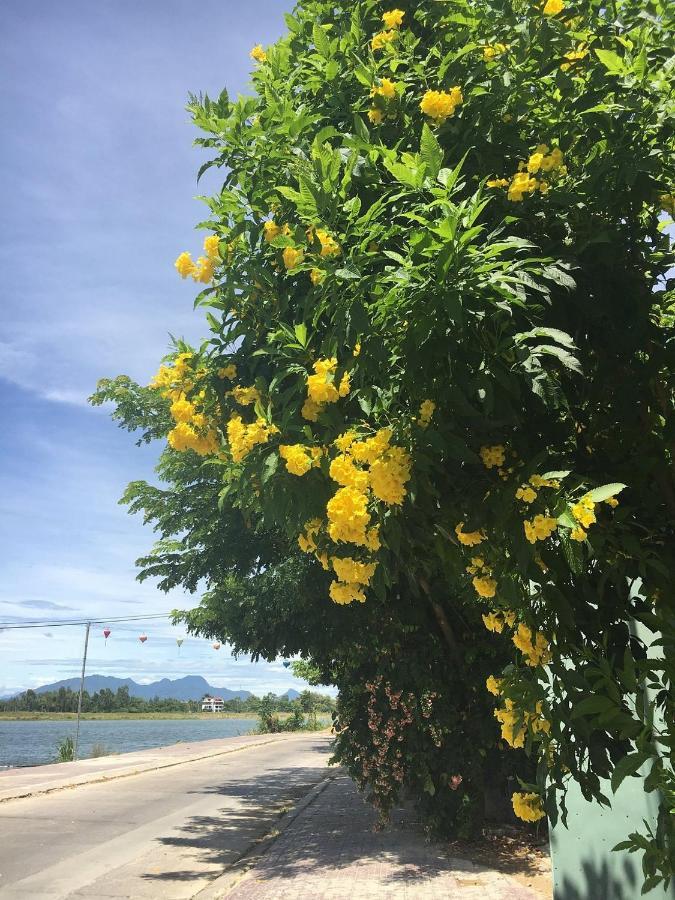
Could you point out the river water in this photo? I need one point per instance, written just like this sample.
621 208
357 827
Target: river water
26 743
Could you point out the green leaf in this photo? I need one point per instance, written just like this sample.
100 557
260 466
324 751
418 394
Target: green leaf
629 765
605 491
321 41
348 272
431 151
301 333
611 61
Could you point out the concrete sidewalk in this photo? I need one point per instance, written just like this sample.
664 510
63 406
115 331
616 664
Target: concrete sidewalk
330 851
31 780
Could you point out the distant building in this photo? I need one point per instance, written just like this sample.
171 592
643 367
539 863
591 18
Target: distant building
213 704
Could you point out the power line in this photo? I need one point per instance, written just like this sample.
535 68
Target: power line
64 622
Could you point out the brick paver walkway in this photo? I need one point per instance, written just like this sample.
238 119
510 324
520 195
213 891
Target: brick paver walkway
330 852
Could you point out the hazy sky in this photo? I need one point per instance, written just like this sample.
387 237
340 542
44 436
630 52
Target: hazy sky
98 200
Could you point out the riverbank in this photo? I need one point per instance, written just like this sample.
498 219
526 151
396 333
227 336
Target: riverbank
112 716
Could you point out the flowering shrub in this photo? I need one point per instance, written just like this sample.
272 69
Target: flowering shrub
440 361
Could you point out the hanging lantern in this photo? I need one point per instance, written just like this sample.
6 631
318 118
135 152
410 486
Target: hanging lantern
287 663
106 634
216 645
179 641
143 638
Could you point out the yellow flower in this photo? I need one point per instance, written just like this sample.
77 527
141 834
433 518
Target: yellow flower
578 534
373 538
345 385
440 105
493 456
386 89
258 54
393 18
497 182
553 7
297 458
381 39
357 349
521 183
539 528
573 57
348 516
182 410
292 257
204 270
245 396
468 538
184 265
243 438
389 474
211 243
584 512
534 647
329 246
346 593
493 622
271 230
229 372
426 412
528 807
526 494
485 587
311 410
612 501
343 470
494 685
348 569
375 115
344 441
316 276
492 50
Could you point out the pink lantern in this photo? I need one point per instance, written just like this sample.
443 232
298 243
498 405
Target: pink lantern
216 645
143 638
106 634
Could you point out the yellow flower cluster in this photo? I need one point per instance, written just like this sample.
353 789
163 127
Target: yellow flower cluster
306 541
229 372
440 105
494 685
495 621
329 246
381 93
492 50
485 585
533 646
468 538
427 410
348 516
539 528
271 230
205 266
321 388
392 21
493 456
258 54
297 457
526 494
192 430
292 257
243 438
393 18
245 396
573 57
528 807
516 722
553 7
352 577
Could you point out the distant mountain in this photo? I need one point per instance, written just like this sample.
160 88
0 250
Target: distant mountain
291 694
191 687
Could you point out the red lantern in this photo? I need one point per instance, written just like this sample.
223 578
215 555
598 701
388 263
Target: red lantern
143 638
106 634
216 645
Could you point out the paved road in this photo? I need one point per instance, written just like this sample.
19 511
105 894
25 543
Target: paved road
159 834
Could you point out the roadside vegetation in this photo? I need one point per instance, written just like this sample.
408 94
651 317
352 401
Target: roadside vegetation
428 440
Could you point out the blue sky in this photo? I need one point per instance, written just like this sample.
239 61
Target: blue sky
98 200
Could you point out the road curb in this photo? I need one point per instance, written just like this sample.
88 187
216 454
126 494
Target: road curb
99 777
221 886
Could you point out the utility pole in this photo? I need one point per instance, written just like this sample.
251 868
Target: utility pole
79 700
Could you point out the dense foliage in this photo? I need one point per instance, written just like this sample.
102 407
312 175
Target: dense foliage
120 701
441 360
